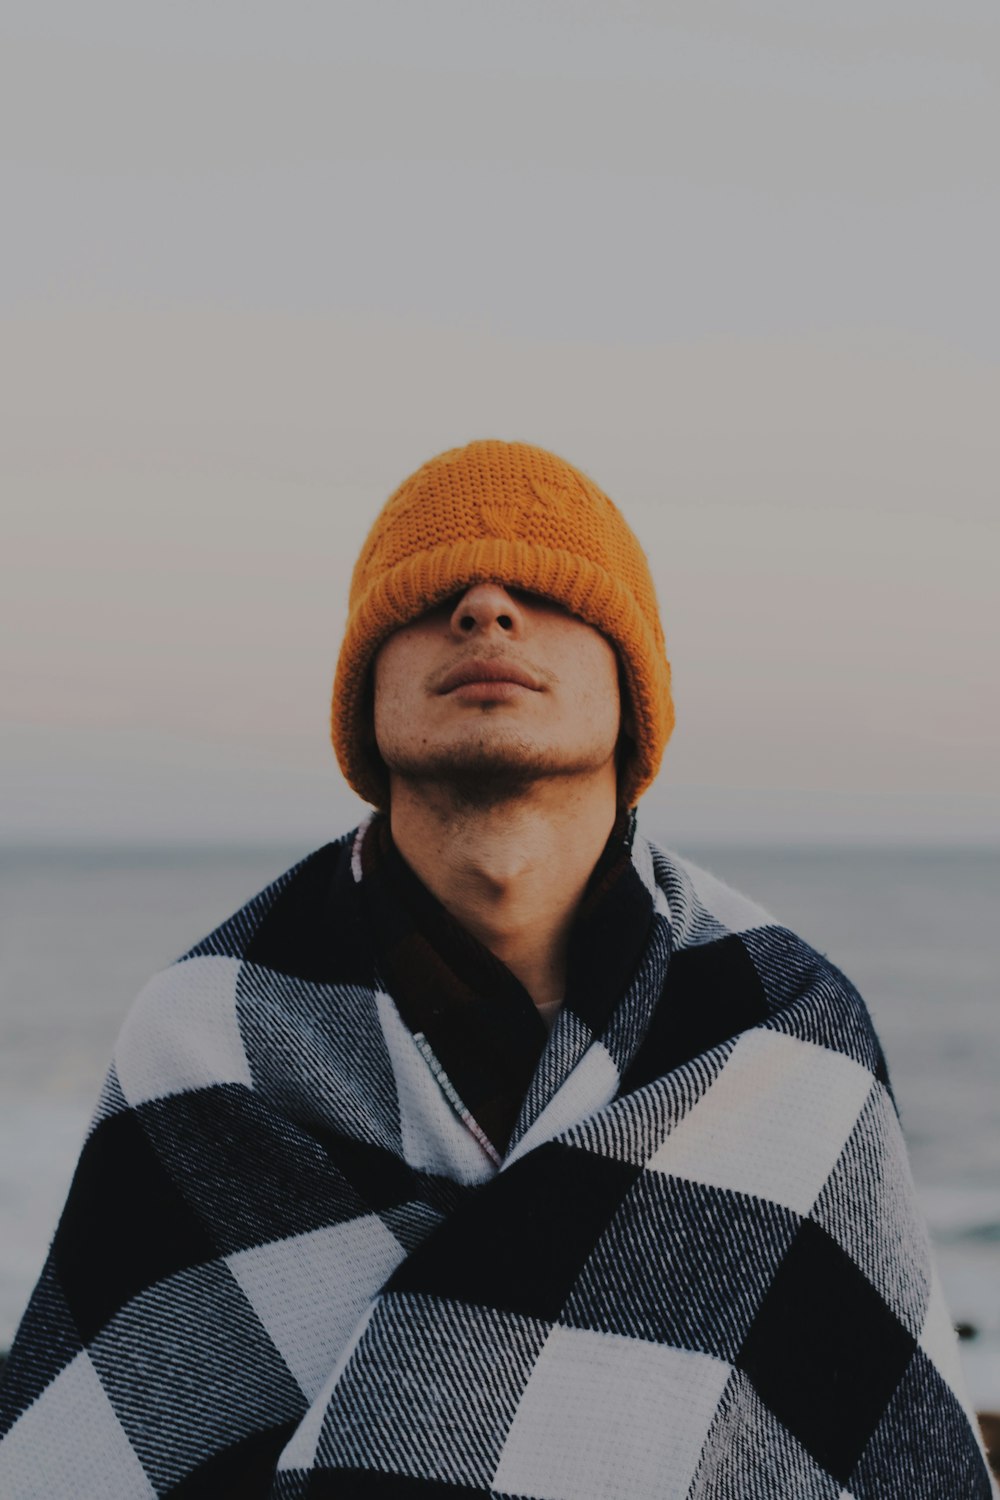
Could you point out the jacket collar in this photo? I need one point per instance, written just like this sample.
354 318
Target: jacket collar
465 1005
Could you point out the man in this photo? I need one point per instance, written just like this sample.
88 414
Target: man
492 1151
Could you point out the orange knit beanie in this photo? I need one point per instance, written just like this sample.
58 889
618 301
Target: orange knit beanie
519 516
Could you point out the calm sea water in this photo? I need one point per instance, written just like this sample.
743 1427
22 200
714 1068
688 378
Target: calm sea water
918 932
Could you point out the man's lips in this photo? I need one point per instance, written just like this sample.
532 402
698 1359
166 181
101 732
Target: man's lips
487 671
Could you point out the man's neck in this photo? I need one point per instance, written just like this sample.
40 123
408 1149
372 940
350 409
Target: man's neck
513 873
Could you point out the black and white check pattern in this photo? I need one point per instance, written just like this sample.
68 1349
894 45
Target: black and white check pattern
288 1267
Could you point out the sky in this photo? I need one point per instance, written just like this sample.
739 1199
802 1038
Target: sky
737 262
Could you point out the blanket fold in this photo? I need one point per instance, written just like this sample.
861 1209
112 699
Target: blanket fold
293 1263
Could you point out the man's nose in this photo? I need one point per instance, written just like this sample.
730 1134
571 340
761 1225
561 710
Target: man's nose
489 609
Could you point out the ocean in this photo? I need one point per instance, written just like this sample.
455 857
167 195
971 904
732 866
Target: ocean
917 931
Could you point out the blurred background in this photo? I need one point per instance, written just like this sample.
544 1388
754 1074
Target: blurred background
737 261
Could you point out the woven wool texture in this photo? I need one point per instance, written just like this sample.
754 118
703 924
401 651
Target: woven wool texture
521 516
287 1266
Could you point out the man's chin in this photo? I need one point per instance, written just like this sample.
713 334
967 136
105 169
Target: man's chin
484 776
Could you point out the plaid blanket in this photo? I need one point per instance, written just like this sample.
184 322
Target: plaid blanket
292 1262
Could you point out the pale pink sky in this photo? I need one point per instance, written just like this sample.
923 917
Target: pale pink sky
258 268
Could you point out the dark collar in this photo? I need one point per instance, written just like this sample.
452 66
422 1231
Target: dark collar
475 1015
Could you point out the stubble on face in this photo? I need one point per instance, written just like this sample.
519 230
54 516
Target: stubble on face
485 769
483 754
